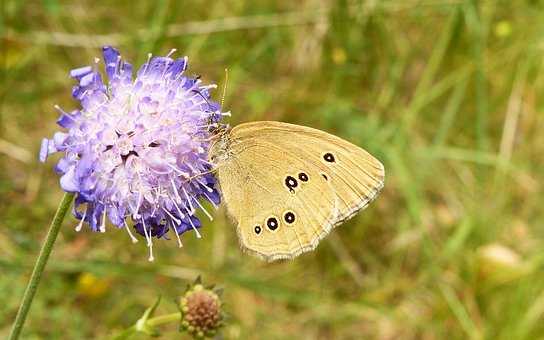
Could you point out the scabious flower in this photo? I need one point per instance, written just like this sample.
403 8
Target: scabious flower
137 150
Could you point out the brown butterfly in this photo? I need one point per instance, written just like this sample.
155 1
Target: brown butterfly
288 186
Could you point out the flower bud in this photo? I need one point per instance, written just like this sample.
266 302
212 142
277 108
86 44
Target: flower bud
201 314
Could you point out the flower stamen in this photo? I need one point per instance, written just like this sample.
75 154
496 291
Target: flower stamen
132 238
204 210
189 201
80 224
172 216
103 224
149 241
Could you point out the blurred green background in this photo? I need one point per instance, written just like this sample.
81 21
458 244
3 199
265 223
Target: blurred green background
447 93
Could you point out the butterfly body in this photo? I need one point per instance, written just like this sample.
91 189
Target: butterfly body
287 186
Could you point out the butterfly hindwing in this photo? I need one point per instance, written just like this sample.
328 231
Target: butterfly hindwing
279 214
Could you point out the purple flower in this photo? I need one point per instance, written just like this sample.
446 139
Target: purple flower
137 148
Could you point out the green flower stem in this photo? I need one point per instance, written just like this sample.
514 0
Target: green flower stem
164 319
37 272
152 322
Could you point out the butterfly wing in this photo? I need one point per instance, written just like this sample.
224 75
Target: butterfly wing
282 172
279 215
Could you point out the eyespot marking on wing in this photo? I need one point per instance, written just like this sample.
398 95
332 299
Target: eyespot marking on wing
329 157
291 183
257 229
272 223
289 217
303 177
325 176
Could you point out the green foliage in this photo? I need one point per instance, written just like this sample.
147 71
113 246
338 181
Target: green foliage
447 93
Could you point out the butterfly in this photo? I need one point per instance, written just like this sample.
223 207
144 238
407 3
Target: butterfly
287 186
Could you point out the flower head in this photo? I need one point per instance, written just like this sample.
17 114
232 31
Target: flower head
201 312
137 149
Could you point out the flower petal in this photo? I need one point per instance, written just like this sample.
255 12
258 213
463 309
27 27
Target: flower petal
68 181
111 60
81 72
44 150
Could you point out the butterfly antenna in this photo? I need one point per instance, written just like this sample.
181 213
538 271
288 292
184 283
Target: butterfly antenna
200 174
225 86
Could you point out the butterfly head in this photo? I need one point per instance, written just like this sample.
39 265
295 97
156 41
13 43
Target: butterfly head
219 143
